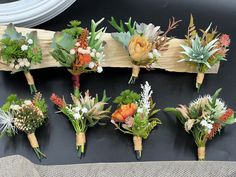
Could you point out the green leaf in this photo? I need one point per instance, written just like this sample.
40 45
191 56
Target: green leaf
64 40
122 37
11 99
11 33
230 120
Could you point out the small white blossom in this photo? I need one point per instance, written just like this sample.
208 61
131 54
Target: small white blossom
27 64
72 51
22 64
92 54
80 50
99 69
139 110
94 50
98 55
91 65
77 44
76 109
17 67
24 47
27 102
84 110
30 41
203 122
150 55
12 65
156 54
76 115
15 107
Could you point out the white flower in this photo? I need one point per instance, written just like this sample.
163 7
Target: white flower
22 64
28 102
99 69
15 107
72 51
77 44
209 126
25 59
12 65
80 50
27 64
17 67
6 122
92 54
145 96
19 60
91 65
156 54
150 55
30 41
94 50
76 109
76 115
203 122
113 122
98 55
24 47
84 110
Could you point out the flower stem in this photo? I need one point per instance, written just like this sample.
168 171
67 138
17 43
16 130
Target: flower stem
39 154
132 80
201 153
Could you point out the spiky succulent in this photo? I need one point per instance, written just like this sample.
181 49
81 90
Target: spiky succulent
198 53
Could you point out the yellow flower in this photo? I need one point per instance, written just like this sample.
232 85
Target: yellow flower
139 47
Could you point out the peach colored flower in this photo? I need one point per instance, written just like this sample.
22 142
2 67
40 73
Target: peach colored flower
139 47
124 112
225 40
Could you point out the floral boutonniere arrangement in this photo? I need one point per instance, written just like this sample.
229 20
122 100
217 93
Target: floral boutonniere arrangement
84 112
26 116
144 42
204 118
134 115
204 51
20 52
79 50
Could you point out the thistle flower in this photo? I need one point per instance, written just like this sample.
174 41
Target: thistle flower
7 123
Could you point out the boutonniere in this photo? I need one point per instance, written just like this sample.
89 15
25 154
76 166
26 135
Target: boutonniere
26 116
20 52
134 115
204 118
79 50
144 42
205 50
84 112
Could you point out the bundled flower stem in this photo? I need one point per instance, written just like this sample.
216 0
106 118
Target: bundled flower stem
134 115
204 51
24 115
85 112
143 42
20 52
79 50
204 118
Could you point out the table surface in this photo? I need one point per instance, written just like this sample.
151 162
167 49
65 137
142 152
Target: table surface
104 144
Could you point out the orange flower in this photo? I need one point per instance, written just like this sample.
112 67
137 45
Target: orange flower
124 111
84 59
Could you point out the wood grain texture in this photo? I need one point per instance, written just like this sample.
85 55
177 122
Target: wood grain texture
116 55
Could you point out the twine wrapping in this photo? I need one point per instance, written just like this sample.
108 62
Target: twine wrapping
201 153
200 78
80 139
29 78
76 80
135 70
137 143
33 140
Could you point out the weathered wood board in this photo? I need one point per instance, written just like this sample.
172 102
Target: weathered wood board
115 55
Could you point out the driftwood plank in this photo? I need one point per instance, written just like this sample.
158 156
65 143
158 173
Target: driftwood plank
116 55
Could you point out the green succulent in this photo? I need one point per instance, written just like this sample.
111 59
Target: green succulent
127 97
198 53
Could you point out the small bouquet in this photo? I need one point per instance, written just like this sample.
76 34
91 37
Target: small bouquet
143 42
20 52
204 118
85 112
26 116
79 50
134 115
204 51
